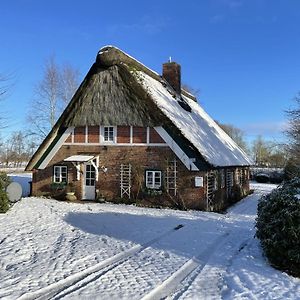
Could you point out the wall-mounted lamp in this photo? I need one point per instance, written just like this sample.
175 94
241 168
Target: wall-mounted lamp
103 169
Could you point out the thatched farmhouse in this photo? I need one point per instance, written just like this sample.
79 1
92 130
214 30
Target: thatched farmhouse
132 135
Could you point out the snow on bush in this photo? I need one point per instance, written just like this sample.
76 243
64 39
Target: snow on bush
278 226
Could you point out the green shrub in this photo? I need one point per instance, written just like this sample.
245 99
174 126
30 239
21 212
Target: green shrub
4 201
291 170
4 180
278 226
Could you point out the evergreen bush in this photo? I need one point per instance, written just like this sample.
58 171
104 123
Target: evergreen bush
4 180
4 202
278 226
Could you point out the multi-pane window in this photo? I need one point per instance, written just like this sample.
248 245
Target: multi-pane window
90 175
109 134
153 179
60 174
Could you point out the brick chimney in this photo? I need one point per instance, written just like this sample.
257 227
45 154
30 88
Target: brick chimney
172 74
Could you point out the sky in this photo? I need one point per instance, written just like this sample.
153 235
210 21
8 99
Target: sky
241 55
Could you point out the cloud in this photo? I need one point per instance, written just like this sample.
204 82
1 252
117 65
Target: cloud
273 128
227 8
147 25
216 19
233 3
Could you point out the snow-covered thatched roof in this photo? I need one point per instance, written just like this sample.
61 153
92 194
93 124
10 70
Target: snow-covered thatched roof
119 90
197 126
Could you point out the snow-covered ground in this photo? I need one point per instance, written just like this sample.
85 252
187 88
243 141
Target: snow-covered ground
57 250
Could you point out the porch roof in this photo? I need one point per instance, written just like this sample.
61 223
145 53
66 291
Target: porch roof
79 158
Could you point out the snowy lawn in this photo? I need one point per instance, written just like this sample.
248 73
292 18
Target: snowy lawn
51 249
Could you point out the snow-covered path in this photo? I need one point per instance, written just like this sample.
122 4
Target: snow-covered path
57 250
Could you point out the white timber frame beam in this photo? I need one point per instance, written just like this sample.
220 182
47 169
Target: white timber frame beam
77 166
95 165
188 162
56 147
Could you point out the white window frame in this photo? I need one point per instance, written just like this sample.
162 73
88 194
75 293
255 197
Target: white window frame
60 177
102 130
153 185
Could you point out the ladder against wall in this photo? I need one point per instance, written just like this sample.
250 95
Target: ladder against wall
171 177
125 180
210 189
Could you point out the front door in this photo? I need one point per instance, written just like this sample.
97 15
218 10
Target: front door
89 182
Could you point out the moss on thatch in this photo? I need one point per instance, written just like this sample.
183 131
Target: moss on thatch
113 96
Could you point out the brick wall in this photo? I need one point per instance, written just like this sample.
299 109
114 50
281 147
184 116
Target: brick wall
141 158
123 134
93 134
79 135
139 135
155 137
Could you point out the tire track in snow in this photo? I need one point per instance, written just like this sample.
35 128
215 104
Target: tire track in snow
88 275
170 285
208 280
206 268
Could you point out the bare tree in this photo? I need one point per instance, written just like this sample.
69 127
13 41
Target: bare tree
2 86
293 133
294 130
17 149
68 83
51 96
5 86
261 151
236 134
191 90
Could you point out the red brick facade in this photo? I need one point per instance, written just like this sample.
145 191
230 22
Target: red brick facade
141 158
139 135
125 135
79 135
155 137
93 134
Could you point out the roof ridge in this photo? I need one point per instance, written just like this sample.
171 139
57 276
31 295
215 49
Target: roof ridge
111 55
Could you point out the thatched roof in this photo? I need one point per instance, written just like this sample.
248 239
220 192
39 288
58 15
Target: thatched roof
114 93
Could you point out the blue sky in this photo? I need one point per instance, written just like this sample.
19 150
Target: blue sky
242 55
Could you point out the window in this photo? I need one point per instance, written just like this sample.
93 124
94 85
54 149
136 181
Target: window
108 134
60 174
153 179
90 175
